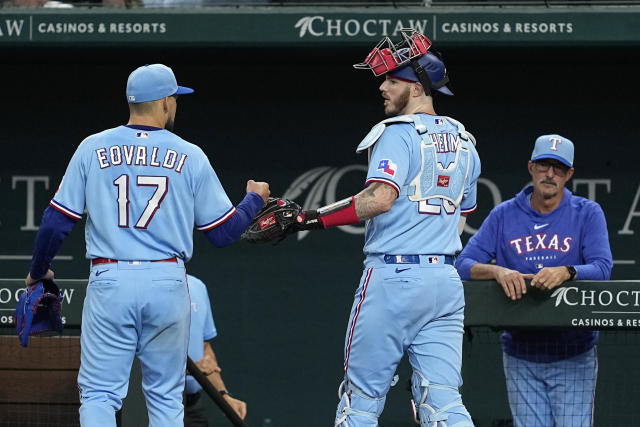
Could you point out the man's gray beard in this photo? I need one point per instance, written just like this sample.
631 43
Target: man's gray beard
549 196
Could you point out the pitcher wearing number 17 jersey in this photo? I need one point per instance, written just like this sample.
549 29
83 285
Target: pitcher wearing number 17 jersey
141 187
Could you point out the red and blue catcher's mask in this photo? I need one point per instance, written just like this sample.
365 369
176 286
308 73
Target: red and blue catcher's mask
408 60
387 56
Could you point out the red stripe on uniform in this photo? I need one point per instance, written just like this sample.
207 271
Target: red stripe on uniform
219 221
468 211
384 181
355 319
64 211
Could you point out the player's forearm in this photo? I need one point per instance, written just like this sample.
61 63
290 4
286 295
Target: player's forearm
54 229
484 271
596 251
216 380
597 270
374 200
230 230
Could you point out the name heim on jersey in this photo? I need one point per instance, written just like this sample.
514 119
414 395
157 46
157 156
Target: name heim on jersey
140 155
445 142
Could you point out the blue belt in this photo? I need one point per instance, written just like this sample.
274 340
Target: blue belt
415 259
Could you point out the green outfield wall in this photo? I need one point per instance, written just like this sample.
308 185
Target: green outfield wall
278 111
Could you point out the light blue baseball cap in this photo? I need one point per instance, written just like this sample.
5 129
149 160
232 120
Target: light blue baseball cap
553 147
153 82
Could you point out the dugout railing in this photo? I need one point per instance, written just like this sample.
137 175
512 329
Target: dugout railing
38 383
612 307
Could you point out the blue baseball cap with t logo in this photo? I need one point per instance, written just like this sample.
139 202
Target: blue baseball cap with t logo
153 82
553 147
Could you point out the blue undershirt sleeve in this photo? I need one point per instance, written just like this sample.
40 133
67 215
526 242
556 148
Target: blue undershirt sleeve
54 228
481 248
230 230
596 251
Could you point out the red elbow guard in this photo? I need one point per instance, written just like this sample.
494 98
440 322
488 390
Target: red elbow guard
344 216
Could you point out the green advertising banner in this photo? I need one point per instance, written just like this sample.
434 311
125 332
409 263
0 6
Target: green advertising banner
276 26
580 304
603 305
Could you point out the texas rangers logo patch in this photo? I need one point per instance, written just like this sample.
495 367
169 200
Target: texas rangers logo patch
443 181
388 167
267 221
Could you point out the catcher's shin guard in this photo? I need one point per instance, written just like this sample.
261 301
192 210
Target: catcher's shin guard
437 405
357 408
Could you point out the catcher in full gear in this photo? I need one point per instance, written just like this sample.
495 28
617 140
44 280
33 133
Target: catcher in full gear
421 182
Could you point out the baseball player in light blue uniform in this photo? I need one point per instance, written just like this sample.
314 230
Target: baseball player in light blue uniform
422 177
550 236
202 326
143 189
201 331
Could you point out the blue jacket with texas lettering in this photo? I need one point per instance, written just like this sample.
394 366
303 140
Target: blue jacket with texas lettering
520 238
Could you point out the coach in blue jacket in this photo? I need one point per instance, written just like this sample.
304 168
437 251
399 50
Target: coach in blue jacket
550 236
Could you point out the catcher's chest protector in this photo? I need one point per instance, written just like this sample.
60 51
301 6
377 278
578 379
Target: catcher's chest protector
445 157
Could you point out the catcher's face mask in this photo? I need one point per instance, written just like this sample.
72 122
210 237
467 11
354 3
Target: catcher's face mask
387 56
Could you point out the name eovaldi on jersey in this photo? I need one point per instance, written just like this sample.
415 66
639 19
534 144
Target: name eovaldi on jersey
140 155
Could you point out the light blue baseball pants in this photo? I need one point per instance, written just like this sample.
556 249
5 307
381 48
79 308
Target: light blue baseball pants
134 308
417 308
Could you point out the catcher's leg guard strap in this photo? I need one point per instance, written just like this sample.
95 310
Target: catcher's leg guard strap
356 404
428 415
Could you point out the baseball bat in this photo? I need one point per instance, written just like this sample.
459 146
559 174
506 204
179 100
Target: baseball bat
214 394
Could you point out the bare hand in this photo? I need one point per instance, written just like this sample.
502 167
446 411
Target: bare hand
262 188
512 282
550 277
30 281
238 405
207 365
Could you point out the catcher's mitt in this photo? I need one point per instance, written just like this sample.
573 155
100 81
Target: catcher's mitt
275 221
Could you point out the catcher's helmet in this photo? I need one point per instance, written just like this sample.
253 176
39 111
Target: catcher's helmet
435 69
408 60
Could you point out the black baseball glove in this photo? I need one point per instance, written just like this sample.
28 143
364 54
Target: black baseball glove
275 221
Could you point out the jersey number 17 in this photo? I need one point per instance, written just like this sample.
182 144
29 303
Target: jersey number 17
153 204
